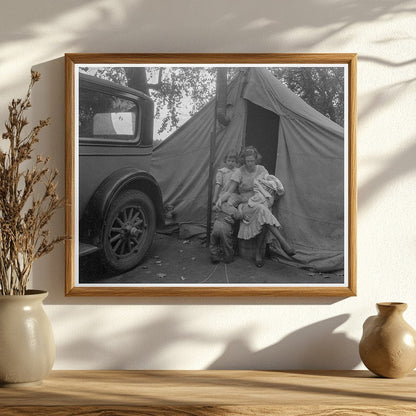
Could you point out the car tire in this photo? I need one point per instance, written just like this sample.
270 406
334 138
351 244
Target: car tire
128 230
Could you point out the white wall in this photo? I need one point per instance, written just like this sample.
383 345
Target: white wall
200 333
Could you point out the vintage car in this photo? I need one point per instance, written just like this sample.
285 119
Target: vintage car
119 202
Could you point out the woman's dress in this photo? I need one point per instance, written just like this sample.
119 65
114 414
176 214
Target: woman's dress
259 214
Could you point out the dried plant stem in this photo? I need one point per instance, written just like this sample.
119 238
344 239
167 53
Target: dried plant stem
24 216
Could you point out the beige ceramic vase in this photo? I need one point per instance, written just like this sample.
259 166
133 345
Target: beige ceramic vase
388 344
27 347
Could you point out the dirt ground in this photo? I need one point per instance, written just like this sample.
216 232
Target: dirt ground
171 260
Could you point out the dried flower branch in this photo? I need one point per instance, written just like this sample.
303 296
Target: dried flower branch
24 216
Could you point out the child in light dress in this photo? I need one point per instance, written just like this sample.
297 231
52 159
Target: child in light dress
223 176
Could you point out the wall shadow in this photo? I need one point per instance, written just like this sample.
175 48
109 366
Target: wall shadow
48 100
381 61
129 15
381 98
78 26
312 347
139 347
398 166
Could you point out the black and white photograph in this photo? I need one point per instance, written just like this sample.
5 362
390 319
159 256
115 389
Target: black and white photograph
207 176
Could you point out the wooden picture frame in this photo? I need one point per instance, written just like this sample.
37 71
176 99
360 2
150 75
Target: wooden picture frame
117 221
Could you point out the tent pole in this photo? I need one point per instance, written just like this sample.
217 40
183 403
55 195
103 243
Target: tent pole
211 173
220 114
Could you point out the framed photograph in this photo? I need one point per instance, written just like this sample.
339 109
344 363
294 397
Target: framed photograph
211 174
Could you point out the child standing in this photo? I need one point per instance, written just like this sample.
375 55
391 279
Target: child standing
222 179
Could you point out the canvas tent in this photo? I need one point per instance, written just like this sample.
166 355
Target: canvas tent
299 145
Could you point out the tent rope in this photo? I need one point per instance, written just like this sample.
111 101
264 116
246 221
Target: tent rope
226 273
209 276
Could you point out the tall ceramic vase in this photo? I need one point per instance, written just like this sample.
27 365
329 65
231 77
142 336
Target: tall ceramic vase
388 345
27 347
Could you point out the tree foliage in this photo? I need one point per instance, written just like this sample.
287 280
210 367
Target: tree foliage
321 87
180 92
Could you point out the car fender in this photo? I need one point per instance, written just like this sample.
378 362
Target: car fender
109 189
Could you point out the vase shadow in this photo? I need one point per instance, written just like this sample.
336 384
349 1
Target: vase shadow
314 347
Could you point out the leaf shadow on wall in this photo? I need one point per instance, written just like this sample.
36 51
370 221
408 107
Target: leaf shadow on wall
77 26
395 168
130 18
316 346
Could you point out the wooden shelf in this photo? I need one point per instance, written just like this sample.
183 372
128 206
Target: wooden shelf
202 393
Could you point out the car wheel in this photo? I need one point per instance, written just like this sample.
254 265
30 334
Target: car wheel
128 230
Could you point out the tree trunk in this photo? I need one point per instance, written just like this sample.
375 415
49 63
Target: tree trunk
136 78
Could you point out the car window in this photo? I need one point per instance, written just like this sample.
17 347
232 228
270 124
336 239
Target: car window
107 117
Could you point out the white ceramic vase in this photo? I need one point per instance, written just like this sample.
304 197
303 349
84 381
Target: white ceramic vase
27 346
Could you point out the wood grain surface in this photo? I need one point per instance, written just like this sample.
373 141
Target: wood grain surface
203 393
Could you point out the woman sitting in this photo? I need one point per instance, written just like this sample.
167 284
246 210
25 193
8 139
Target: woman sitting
257 216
